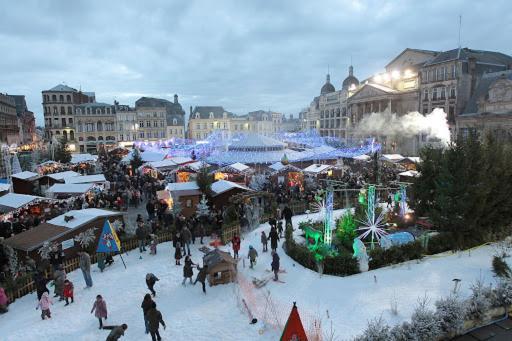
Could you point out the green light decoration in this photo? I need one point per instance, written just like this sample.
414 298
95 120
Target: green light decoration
373 226
346 227
371 203
328 218
314 238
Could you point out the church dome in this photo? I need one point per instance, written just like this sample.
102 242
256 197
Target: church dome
350 80
327 87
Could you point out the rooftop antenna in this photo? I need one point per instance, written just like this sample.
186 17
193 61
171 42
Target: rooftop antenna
350 59
460 28
328 71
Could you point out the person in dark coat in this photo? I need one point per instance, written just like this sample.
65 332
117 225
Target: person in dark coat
201 276
236 245
117 332
40 282
187 270
150 208
264 241
154 320
146 305
287 215
186 237
275 265
151 279
177 253
140 232
274 238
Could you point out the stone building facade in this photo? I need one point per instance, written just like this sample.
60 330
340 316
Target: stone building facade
203 120
489 110
159 119
95 126
9 130
26 121
58 106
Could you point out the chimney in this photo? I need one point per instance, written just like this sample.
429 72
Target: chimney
190 110
472 74
175 98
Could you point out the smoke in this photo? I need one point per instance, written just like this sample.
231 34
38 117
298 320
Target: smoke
434 125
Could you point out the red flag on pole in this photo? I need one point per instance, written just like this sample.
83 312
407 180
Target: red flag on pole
293 330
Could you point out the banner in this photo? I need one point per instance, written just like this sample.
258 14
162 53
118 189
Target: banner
109 241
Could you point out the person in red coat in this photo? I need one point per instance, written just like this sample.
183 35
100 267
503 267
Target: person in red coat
68 291
236 245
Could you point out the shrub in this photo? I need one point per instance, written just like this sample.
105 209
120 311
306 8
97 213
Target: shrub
451 312
395 254
480 301
503 293
341 265
425 323
500 267
441 242
377 330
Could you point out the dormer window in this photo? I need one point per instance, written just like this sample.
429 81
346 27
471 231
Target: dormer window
211 115
225 115
79 111
174 122
197 115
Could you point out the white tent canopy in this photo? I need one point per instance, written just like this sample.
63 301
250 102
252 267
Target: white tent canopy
96 178
221 186
410 173
392 157
69 188
317 168
363 157
79 158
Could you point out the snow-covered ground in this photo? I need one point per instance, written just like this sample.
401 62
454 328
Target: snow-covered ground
347 302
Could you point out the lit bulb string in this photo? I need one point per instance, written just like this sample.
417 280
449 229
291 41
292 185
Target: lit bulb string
213 148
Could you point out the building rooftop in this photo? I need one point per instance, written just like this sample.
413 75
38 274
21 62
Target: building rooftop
62 88
205 111
482 89
481 56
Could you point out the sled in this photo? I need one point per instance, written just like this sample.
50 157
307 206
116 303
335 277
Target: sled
204 249
281 271
260 283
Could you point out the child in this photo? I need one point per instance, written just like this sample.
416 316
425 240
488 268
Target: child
252 255
177 253
68 292
154 243
264 241
187 270
101 309
150 282
44 304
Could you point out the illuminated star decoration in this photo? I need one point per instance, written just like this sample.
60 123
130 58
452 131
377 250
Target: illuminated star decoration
372 226
319 207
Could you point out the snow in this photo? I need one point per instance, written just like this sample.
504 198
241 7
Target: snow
392 157
410 173
179 160
25 175
222 186
239 166
316 168
78 158
363 157
16 200
349 302
146 156
162 164
182 186
277 166
4 187
70 188
85 179
63 175
80 217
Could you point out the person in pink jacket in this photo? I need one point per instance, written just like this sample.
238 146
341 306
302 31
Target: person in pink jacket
101 309
4 301
44 304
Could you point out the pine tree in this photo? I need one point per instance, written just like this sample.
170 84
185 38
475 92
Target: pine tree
424 188
136 160
204 180
258 182
62 153
451 313
202 207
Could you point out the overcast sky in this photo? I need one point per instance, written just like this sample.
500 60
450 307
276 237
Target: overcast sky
243 55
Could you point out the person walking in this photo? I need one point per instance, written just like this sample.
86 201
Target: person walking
188 272
177 253
68 291
4 301
151 279
117 332
275 265
274 238
146 305
201 276
85 266
40 282
100 309
186 237
154 320
287 215
252 256
264 241
44 303
59 276
140 233
236 245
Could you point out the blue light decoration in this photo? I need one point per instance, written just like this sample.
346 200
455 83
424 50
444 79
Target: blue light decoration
403 200
328 219
301 146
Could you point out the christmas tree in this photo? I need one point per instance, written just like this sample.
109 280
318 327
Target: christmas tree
202 207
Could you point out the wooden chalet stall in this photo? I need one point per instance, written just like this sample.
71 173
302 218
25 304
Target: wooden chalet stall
223 190
319 171
221 267
187 171
83 163
4 189
188 194
62 230
14 201
236 172
62 191
410 162
97 179
25 183
49 180
51 166
286 174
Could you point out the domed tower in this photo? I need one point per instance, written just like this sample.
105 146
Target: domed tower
327 87
350 80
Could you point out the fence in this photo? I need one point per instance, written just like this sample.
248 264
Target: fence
74 263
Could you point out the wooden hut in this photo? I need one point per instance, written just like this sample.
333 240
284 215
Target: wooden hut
221 267
223 190
25 182
286 174
62 230
188 194
236 172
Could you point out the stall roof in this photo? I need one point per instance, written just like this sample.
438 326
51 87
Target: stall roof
196 165
278 167
162 163
85 179
317 168
35 237
4 187
63 175
26 175
70 188
392 157
410 173
15 200
179 160
182 186
414 159
221 186
78 158
240 167
81 217
363 157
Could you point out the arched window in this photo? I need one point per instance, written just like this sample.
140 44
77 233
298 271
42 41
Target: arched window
174 122
57 132
62 111
80 139
197 115
70 110
65 134
100 138
68 98
61 98
98 111
99 126
71 135
91 138
79 111
211 115
54 98
88 111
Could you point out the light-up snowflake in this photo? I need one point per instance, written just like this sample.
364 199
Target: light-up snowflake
319 207
372 226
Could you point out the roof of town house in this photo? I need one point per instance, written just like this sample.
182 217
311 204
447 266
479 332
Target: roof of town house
488 57
205 111
482 89
26 175
174 110
62 88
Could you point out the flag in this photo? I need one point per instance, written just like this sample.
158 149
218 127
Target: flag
293 330
109 241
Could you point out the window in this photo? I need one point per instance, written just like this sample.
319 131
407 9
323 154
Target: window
198 135
141 124
54 98
70 120
204 125
88 111
452 92
425 95
174 122
89 127
148 124
155 124
225 125
162 124
425 110
62 111
443 73
454 71
162 134
68 98
70 110
197 115
211 125
99 126
431 75
79 111
443 93
80 127
55 112
236 126
109 126
211 115
121 137
61 98
120 126
141 135
198 126
434 94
